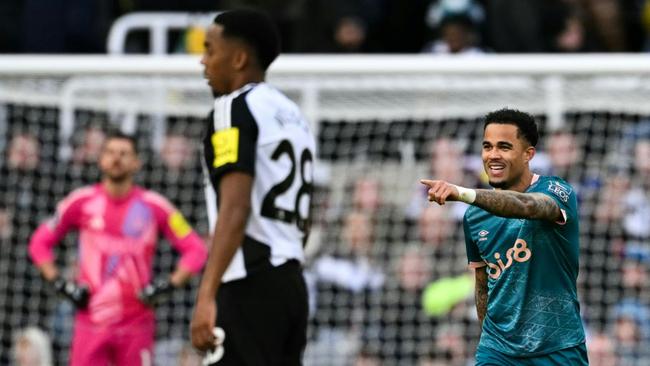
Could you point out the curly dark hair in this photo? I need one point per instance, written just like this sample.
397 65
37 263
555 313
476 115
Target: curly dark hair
525 123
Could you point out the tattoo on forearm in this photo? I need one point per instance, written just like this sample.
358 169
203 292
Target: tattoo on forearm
481 294
517 205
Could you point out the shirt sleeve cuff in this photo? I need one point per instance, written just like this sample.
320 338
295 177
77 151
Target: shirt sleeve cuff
475 265
563 220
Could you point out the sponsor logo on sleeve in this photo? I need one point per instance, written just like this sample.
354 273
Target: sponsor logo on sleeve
561 191
178 225
483 235
226 146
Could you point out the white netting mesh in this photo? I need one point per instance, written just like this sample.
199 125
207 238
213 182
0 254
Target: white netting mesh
376 244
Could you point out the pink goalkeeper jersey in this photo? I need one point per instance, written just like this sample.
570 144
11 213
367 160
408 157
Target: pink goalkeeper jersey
117 242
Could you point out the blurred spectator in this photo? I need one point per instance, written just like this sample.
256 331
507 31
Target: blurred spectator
23 152
366 359
636 264
614 25
524 26
350 266
456 35
446 162
344 26
436 226
387 26
32 347
344 278
631 326
642 161
21 175
349 35
600 349
564 152
637 200
357 234
6 226
177 152
396 328
456 24
610 208
87 152
450 345
569 35
414 269
366 196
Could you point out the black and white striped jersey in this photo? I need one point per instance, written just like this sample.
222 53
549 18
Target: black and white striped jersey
259 131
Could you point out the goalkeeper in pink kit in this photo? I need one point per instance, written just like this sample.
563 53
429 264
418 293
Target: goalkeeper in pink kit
118 224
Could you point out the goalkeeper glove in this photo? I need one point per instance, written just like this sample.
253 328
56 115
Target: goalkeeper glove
78 294
154 292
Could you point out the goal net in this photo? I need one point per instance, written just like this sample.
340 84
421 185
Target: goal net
386 270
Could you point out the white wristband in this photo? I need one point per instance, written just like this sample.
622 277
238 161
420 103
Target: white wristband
466 195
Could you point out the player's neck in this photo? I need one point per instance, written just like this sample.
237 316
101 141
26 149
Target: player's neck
117 189
523 183
246 78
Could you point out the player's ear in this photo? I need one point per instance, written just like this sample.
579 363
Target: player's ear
529 153
241 58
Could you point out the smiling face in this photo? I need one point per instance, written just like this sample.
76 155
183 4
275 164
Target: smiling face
506 156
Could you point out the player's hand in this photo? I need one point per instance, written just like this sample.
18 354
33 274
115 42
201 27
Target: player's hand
441 191
155 292
78 294
202 325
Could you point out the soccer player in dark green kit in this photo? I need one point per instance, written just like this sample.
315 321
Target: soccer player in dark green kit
523 243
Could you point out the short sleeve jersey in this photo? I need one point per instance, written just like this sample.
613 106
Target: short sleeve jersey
257 130
532 269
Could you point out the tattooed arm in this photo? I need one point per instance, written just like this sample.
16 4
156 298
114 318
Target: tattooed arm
481 293
518 205
501 203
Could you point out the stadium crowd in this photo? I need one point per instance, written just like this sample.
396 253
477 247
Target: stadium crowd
387 271
353 26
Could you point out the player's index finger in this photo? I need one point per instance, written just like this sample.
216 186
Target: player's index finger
427 182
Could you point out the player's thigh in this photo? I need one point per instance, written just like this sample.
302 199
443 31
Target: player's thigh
240 346
489 357
574 356
90 346
133 346
297 331
264 318
282 330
